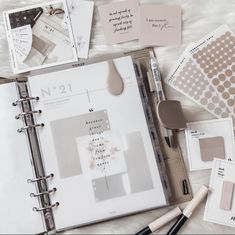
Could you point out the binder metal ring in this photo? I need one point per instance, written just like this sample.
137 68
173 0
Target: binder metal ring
40 178
19 101
38 209
25 113
43 193
29 127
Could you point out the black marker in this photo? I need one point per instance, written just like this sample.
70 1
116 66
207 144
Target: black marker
158 223
201 194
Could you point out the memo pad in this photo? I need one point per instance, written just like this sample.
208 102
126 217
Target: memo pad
207 140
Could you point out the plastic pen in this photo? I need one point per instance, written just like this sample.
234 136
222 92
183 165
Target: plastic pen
168 135
187 212
158 223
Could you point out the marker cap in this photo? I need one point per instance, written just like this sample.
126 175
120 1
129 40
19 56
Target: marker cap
201 194
158 223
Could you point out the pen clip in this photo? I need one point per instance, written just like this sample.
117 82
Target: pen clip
171 115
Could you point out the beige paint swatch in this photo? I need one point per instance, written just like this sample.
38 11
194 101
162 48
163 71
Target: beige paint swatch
212 147
227 195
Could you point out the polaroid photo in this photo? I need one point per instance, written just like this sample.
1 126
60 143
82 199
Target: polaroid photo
40 36
207 140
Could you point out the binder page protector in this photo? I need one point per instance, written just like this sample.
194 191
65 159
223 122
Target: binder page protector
97 144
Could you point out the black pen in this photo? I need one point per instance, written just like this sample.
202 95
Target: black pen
187 212
158 223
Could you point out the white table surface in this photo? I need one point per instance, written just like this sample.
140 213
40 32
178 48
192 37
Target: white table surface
199 18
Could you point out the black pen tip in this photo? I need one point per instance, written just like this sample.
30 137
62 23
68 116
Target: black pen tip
168 141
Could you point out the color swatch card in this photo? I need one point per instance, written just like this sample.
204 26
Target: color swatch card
120 21
207 140
187 78
215 56
160 25
220 205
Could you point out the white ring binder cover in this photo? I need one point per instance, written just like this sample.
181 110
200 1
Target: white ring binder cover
40 180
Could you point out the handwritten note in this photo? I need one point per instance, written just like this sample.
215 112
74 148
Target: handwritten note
120 21
160 25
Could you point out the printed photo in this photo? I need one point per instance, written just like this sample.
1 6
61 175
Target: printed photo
40 36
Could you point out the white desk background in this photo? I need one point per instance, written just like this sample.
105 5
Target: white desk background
199 18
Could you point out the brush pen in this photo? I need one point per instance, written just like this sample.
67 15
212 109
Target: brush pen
187 212
158 223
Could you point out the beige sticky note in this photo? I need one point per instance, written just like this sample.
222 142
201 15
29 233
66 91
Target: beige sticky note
120 21
212 147
160 25
227 195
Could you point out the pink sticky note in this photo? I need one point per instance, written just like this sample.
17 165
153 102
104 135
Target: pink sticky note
160 25
227 195
120 21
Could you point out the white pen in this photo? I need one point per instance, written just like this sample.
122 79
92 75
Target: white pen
168 134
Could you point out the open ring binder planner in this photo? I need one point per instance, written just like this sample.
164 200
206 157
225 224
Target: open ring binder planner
20 115
40 180
81 148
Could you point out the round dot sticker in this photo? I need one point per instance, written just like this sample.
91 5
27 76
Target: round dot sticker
218 111
232 90
203 101
222 77
215 81
224 115
208 94
228 72
220 88
225 95
232 79
211 106
233 68
227 84
230 102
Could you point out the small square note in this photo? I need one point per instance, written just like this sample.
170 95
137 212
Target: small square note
120 21
160 25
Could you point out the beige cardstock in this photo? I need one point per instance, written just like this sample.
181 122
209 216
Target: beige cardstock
120 21
160 25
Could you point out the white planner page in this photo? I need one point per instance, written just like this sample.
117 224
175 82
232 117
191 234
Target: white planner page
97 144
16 214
